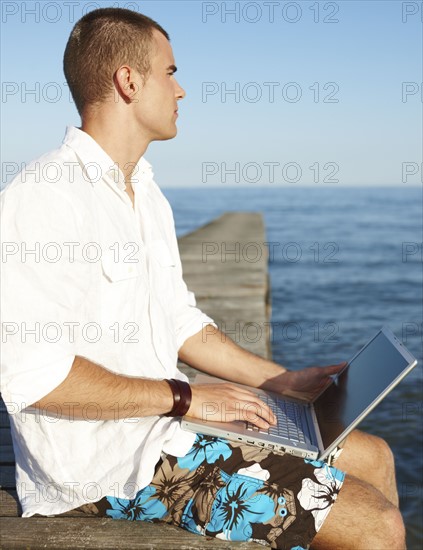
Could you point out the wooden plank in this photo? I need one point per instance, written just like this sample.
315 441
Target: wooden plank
9 504
233 288
80 533
4 416
10 507
7 476
5 437
7 456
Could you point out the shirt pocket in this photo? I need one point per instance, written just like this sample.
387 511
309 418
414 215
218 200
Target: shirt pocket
123 291
116 271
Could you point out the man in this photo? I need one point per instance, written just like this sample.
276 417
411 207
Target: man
101 313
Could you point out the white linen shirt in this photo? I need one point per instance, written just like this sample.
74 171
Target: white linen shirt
84 273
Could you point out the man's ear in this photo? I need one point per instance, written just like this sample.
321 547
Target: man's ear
128 83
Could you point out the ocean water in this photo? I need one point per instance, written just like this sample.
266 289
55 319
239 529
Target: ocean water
343 262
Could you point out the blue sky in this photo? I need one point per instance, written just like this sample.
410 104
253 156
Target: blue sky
322 92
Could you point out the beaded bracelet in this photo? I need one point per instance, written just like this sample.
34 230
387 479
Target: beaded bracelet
181 397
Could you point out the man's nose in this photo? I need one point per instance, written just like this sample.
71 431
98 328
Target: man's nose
179 92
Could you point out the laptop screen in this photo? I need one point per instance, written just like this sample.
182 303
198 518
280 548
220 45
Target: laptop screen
367 376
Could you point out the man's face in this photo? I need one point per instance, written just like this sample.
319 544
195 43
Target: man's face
156 105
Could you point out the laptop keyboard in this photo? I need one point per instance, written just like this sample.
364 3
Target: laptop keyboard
290 417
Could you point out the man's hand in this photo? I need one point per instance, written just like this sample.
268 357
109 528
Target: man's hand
226 402
306 383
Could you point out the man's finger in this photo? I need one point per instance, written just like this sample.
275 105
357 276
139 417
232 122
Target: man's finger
261 410
252 399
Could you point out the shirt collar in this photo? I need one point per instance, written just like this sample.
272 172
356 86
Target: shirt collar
95 162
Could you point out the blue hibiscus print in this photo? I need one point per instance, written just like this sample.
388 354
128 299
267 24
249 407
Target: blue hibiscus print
205 448
142 507
237 506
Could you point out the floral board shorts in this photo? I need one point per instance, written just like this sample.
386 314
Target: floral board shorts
235 492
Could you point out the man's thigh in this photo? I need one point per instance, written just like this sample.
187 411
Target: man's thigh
361 519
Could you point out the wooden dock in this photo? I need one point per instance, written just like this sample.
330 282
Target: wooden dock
225 264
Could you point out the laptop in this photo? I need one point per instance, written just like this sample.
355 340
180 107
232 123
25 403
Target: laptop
314 429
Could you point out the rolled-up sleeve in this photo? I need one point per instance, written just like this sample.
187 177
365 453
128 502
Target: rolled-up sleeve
189 318
44 286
